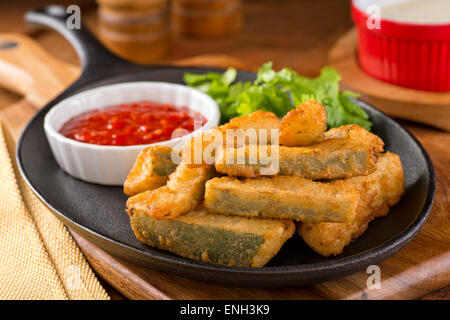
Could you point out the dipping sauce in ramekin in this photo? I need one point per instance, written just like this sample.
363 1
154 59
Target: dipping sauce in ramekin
131 124
418 11
109 164
405 42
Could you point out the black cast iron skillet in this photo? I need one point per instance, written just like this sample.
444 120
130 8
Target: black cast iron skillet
97 212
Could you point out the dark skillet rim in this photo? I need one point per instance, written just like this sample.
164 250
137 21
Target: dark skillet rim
343 265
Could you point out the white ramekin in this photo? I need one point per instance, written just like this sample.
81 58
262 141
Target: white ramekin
109 165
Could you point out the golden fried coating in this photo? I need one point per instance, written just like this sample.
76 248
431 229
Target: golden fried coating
183 192
150 171
257 120
356 133
214 238
251 127
330 159
185 187
379 191
282 197
304 125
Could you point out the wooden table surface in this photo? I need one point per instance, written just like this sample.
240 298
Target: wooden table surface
297 34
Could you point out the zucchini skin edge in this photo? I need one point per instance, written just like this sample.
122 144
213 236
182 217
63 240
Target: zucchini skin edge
211 245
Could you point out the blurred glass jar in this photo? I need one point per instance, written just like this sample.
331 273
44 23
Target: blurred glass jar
137 30
207 18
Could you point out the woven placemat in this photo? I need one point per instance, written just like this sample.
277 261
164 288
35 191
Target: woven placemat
38 257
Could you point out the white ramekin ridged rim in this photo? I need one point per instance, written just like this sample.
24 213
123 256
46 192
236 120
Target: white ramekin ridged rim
109 165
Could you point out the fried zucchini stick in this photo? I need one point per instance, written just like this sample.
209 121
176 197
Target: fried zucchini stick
150 171
216 239
304 125
282 197
254 127
186 186
379 191
183 192
330 159
357 134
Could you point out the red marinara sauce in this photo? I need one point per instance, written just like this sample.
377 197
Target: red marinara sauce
131 124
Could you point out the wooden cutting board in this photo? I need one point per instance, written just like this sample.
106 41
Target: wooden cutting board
420 268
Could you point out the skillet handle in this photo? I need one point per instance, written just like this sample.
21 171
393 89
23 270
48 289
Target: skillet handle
94 57
26 68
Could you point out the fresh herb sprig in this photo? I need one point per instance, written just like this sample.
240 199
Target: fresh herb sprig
280 92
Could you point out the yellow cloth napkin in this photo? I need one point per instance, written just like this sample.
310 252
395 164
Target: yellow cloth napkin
38 257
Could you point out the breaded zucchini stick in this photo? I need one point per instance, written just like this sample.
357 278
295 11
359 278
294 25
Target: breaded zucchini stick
282 197
216 239
257 120
150 171
304 125
379 191
261 123
185 187
357 134
330 159
183 192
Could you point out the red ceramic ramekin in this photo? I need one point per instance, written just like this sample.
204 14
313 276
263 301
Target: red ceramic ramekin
415 56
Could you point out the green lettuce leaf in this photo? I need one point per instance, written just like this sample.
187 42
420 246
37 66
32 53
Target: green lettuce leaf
280 92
